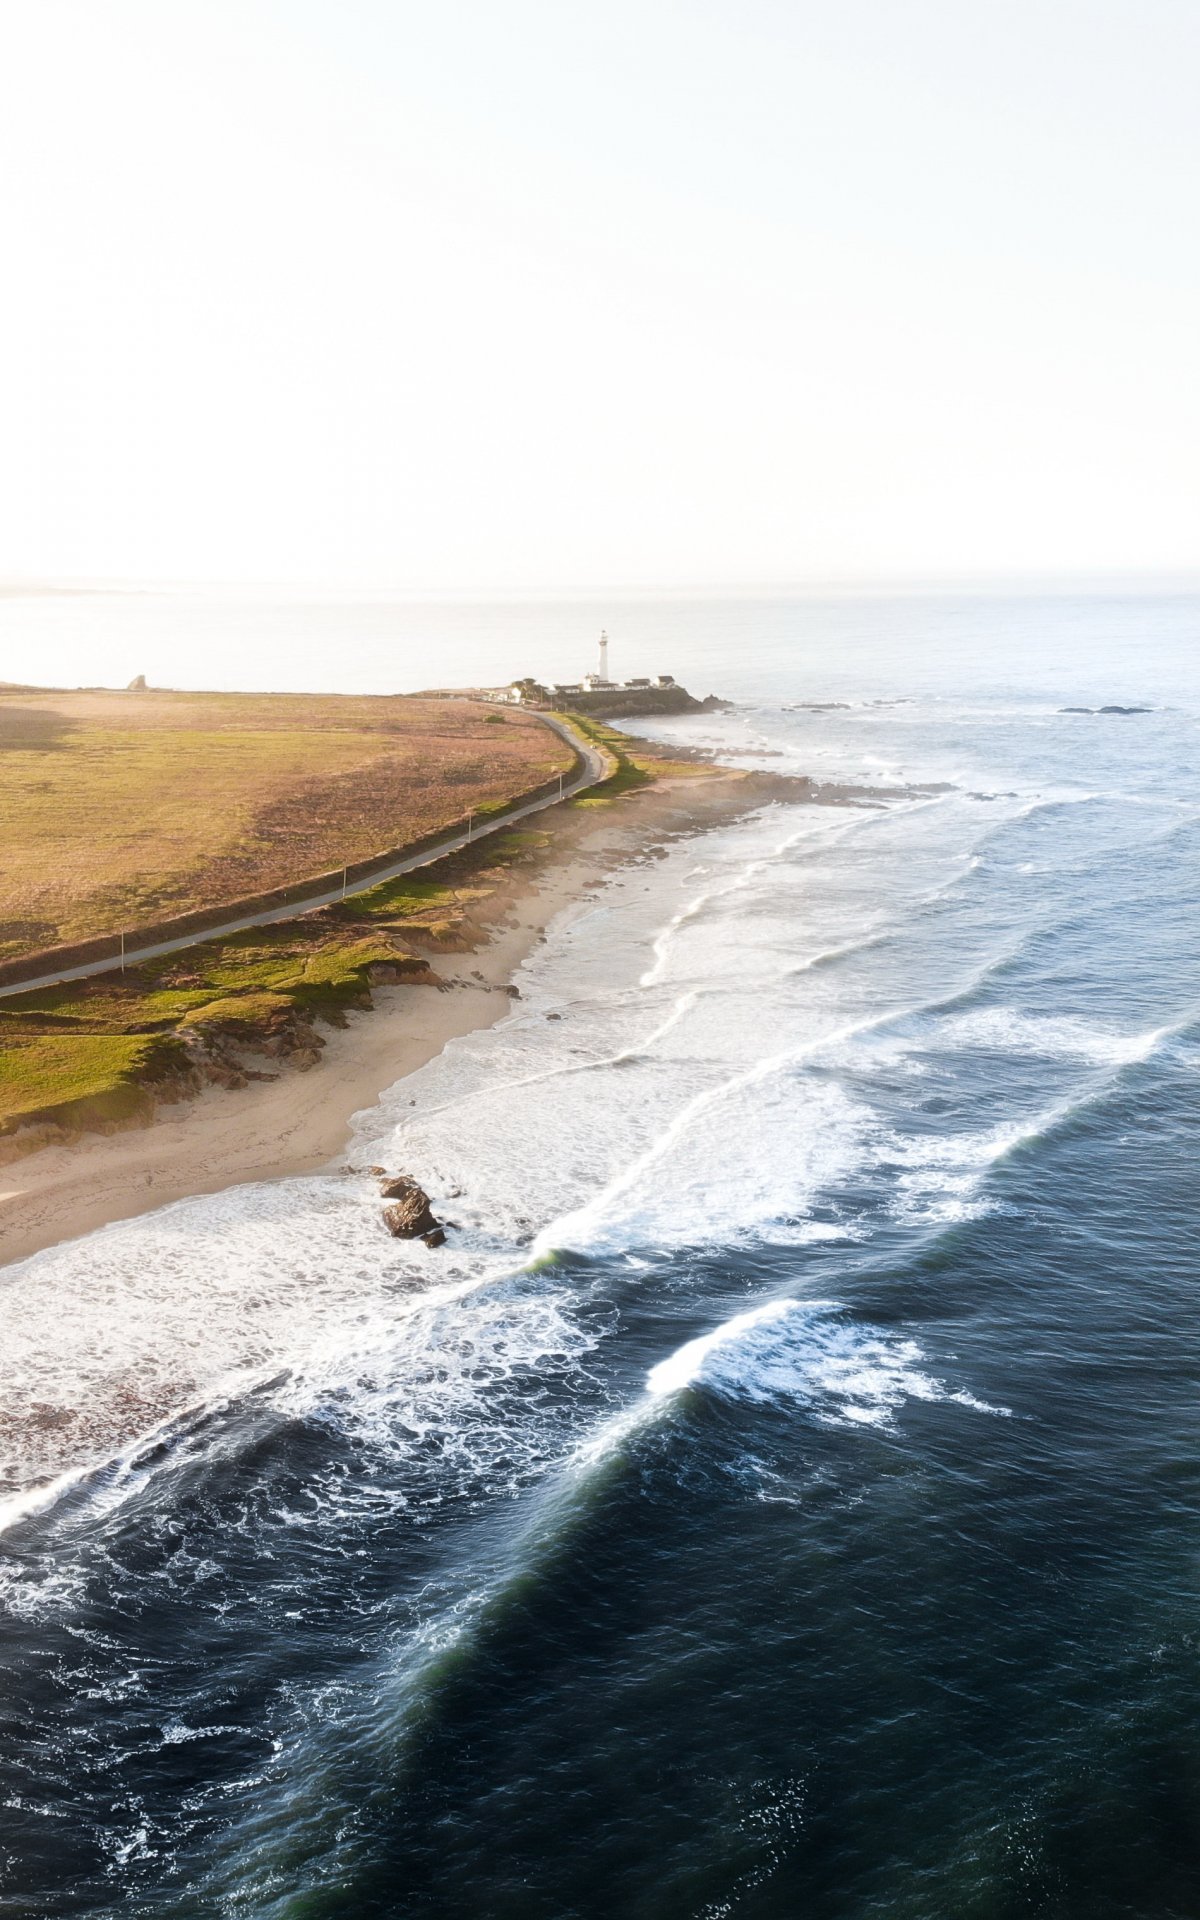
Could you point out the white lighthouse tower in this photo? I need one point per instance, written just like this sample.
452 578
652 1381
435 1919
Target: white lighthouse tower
603 656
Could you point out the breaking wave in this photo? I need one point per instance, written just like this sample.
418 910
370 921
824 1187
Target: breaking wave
811 1353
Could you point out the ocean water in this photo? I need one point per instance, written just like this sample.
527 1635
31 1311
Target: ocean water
782 1496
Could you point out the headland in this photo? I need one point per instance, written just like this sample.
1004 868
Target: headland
261 1048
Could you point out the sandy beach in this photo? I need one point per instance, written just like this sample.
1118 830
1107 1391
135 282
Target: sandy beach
300 1122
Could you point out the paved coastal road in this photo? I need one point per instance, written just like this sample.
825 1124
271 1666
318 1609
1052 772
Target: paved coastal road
595 768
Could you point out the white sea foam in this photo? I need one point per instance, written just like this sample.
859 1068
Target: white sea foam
811 1353
711 1106
114 1337
1058 1036
941 1177
1055 801
820 825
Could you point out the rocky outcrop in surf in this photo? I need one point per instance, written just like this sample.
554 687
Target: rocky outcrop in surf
410 1215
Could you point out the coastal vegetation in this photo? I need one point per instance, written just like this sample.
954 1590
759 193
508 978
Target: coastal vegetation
122 808
636 761
103 1053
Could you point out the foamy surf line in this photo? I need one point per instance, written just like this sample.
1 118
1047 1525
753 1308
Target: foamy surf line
817 831
381 1344
810 1352
814 836
583 1229
680 1006
110 1476
296 1125
954 1164
333 1262
809 1355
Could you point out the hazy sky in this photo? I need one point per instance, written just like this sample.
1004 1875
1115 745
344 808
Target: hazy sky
503 293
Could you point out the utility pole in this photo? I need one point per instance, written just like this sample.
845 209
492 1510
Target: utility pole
470 818
345 873
122 953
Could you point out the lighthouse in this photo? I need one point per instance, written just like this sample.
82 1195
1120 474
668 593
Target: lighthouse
592 682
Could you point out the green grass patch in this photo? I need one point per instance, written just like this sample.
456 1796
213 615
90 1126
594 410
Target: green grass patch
508 845
638 763
629 772
87 1053
84 1079
276 968
239 1009
397 899
103 1005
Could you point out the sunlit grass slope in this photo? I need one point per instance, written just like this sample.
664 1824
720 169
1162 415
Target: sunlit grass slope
94 1052
117 809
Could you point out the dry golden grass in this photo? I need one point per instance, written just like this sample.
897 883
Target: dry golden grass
117 809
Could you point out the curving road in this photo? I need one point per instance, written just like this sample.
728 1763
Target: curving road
595 768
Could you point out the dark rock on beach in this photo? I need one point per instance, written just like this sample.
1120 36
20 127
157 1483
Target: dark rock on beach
410 1216
398 1186
409 1219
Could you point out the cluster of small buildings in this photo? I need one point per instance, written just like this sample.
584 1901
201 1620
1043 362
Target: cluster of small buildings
532 693
593 683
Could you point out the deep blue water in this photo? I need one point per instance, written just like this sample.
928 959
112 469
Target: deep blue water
784 1499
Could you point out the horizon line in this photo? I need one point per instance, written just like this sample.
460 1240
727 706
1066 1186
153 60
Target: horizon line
1163 579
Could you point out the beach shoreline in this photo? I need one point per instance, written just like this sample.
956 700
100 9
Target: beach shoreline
301 1122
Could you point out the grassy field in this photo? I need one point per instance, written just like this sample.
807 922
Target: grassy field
637 762
118 809
101 1052
95 1052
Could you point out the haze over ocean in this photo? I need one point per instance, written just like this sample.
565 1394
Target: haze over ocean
786 1499
967 641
